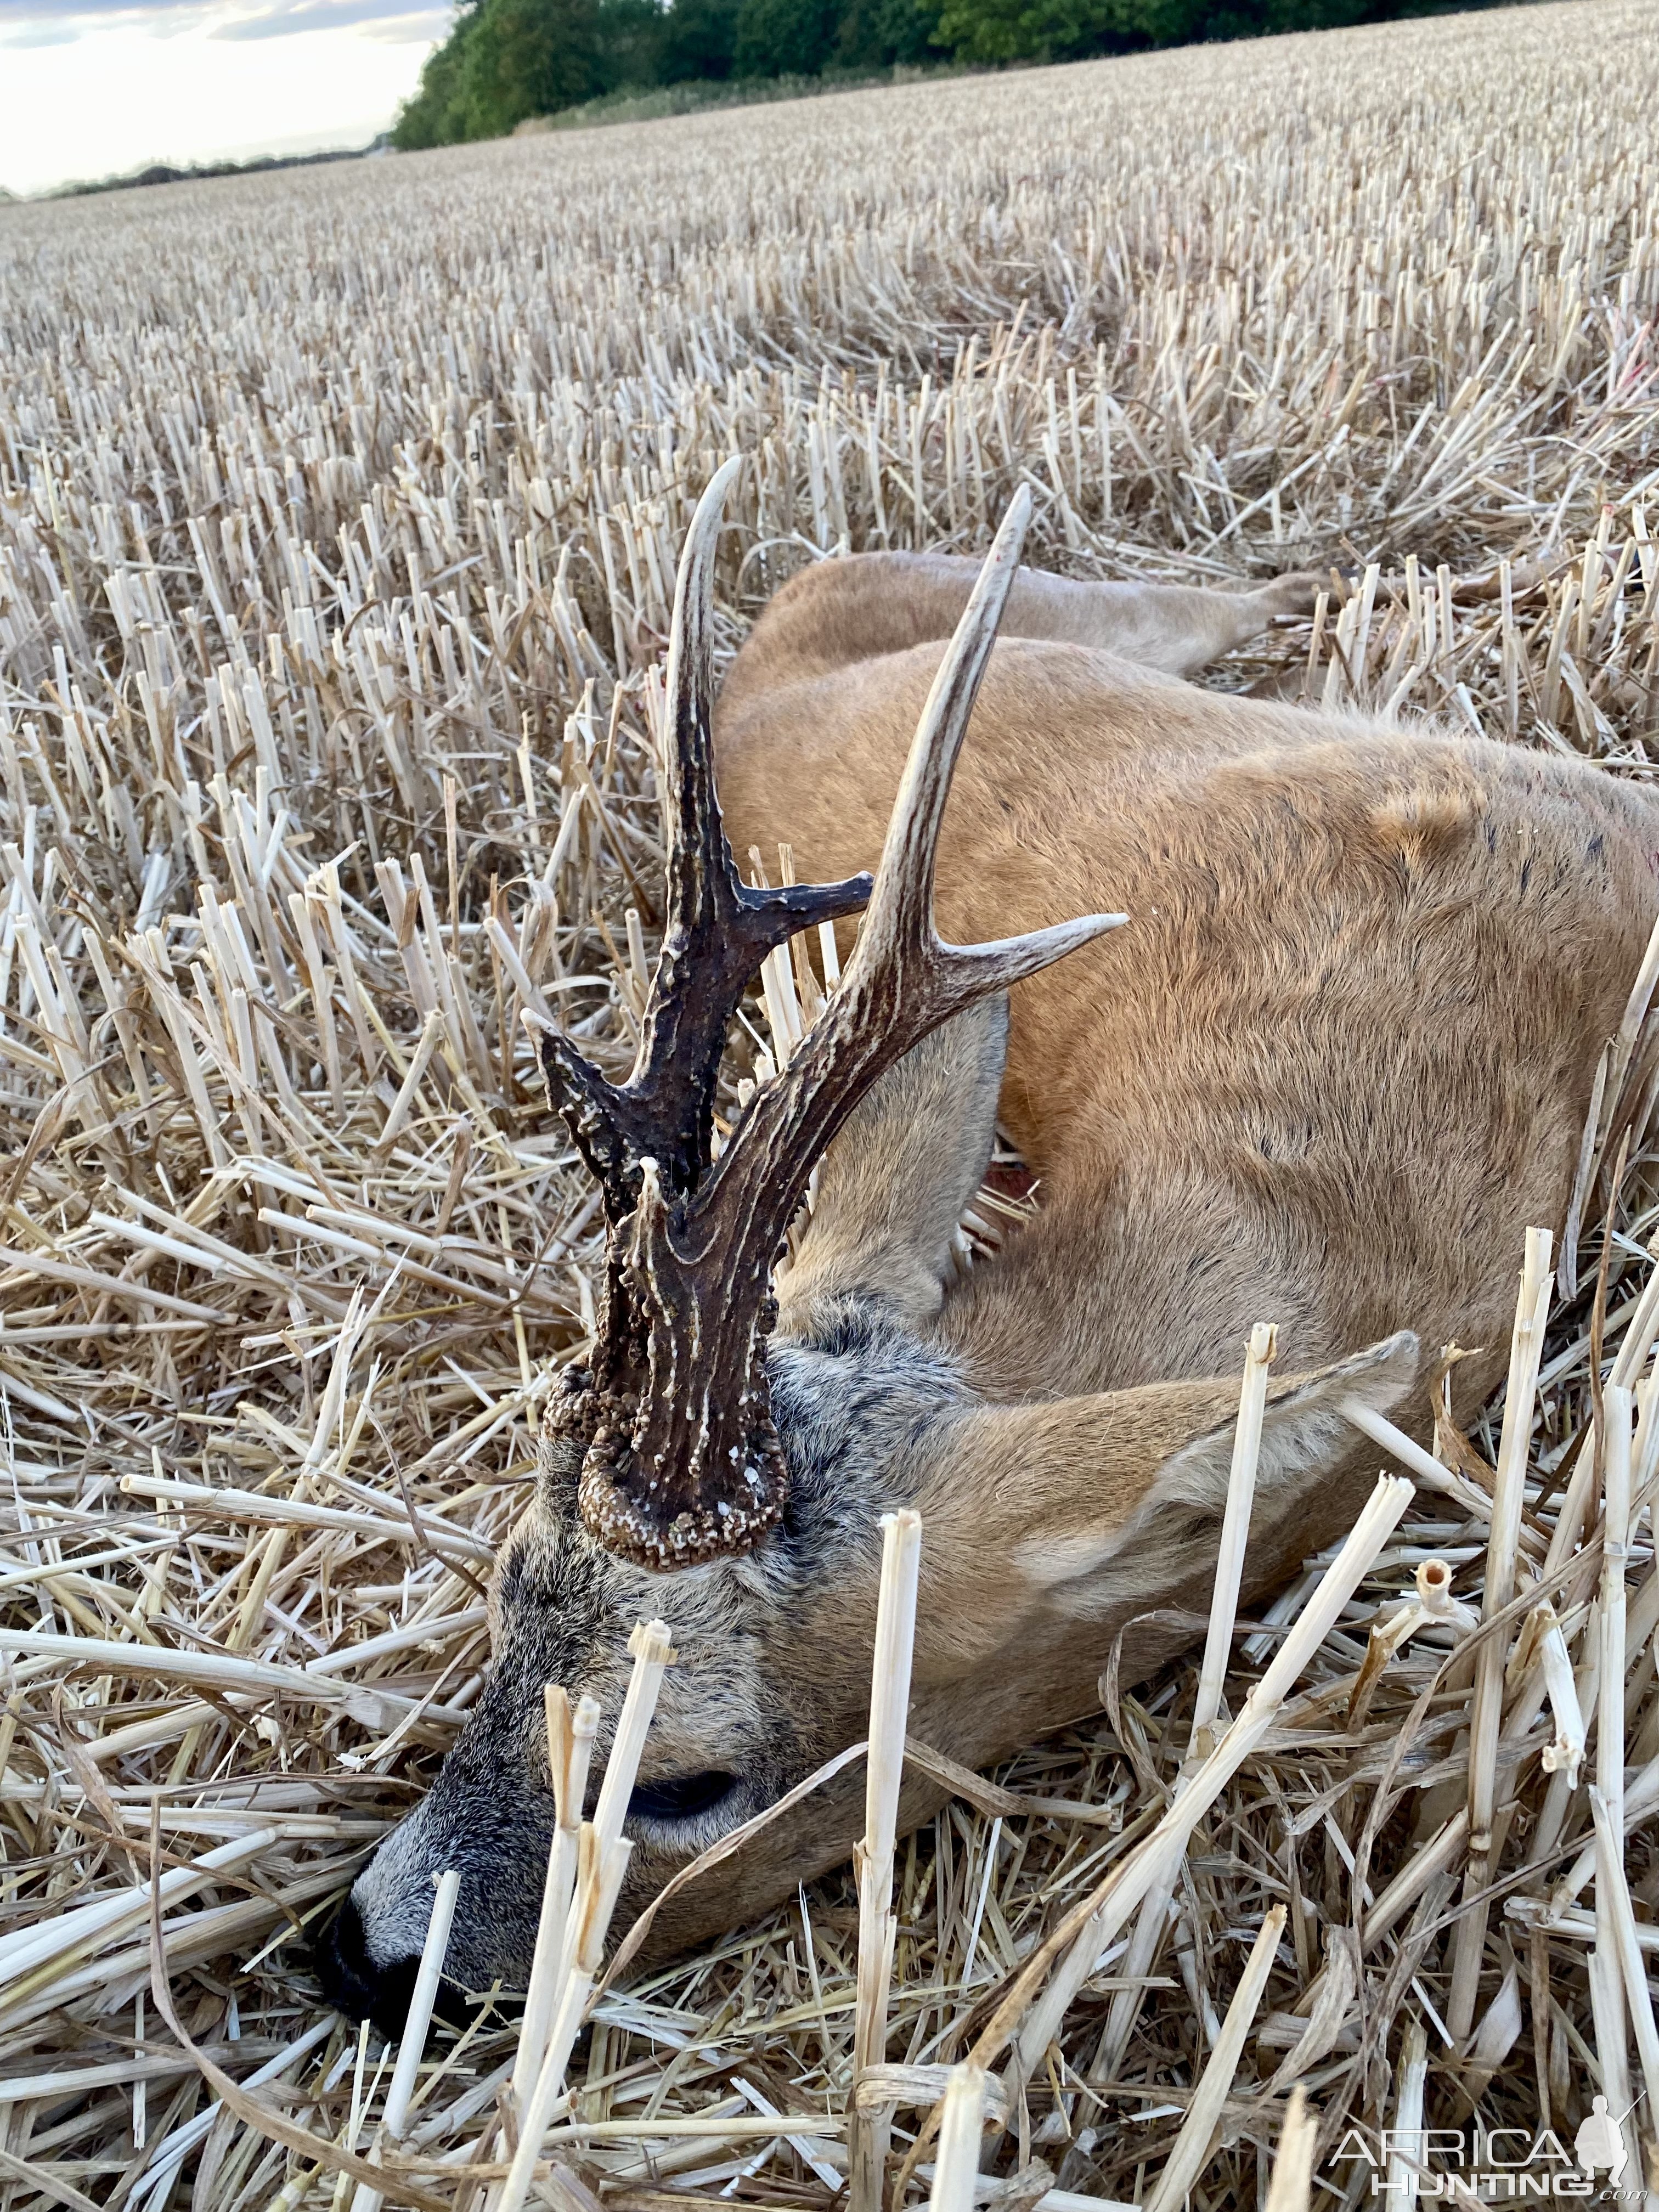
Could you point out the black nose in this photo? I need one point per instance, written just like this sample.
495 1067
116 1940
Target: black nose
354 1984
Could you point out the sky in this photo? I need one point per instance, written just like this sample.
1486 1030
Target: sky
95 88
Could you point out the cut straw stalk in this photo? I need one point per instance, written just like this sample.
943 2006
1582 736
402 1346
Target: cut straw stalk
956 2177
1526 1353
1641 1333
601 1857
1621 1931
1641 1801
1406 2157
1609 2023
569 1749
1428 1470
1157 1858
73 1934
228 1503
1615 1552
1191 2151
215 1670
597 1888
167 2157
1234 1533
1566 1753
1617 2011
1434 1604
424 1996
1153 1920
1291 2185
653 1652
889 1700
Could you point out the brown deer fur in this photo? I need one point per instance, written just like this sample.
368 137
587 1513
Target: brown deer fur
1336 1062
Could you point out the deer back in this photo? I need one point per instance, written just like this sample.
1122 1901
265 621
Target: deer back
1338 1061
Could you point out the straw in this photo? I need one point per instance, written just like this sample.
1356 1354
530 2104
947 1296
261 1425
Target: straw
293 570
1291 2186
1407 2156
1235 1533
1192 2146
1150 1926
569 1747
889 1700
652 1652
602 1857
597 1884
1618 2010
1526 1355
957 2170
412 2042
1154 1863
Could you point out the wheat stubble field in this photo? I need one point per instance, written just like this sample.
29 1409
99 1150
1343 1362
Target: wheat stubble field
338 516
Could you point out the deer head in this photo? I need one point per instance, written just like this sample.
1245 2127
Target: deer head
724 1459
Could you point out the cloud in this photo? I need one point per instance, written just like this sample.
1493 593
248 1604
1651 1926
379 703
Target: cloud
56 22
289 22
120 95
423 30
19 18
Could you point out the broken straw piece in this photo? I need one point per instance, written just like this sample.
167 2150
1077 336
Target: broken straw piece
890 1699
957 2171
652 1652
413 2041
570 1745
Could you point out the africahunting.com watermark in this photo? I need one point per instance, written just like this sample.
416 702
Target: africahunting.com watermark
1480 2165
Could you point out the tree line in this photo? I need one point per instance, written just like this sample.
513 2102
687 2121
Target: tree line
505 60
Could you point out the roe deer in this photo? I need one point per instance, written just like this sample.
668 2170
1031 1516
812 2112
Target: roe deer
1335 1064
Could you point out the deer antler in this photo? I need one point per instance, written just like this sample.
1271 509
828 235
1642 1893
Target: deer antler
715 934
681 1461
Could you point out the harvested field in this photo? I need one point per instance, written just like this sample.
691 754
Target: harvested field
340 512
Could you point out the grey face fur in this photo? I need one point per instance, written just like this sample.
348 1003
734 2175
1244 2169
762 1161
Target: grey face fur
847 1405
772 1677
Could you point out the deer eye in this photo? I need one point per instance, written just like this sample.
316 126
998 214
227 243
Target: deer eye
679 1797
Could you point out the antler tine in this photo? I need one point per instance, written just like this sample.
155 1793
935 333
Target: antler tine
898 926
901 910
902 981
716 932
699 1469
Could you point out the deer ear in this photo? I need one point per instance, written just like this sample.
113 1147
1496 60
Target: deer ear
1082 1507
893 1186
1174 1533
1304 1431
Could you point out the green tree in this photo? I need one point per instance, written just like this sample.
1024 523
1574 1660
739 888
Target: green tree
434 115
1027 30
785 37
996 31
699 41
505 59
877 33
528 58
633 39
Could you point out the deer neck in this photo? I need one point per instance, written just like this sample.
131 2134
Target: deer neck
857 1397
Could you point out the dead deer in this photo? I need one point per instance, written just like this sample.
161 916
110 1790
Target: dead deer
1336 1062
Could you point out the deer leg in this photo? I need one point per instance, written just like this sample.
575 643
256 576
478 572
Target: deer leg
1180 628
874 604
